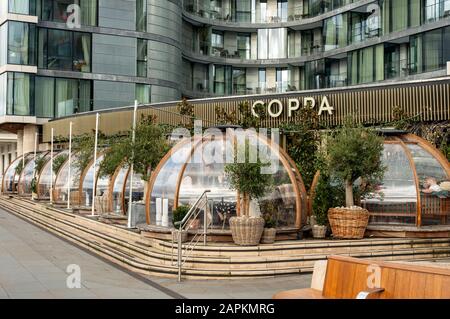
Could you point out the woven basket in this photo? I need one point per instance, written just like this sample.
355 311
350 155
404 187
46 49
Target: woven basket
269 236
247 231
319 232
348 223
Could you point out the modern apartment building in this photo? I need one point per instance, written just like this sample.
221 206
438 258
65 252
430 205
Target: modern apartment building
63 57
265 46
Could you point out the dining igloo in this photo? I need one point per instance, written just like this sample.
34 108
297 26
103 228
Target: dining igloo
198 164
11 178
47 178
120 191
415 190
29 172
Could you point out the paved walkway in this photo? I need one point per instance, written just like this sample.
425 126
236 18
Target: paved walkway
33 264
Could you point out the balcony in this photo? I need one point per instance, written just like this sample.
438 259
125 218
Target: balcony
221 14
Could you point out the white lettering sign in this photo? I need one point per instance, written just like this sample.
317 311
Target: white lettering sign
275 108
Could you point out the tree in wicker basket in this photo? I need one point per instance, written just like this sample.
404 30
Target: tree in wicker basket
251 183
354 154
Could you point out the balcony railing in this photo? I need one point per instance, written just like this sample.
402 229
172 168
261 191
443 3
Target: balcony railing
221 14
399 68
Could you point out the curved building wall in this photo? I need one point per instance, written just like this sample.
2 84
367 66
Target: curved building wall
277 46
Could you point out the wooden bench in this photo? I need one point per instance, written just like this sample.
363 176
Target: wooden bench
349 278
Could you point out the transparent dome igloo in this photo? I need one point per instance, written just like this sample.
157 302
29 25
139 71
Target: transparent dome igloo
11 178
198 164
416 186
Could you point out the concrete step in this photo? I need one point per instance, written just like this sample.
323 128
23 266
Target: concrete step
151 256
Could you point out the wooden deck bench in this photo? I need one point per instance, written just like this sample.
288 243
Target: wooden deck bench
348 278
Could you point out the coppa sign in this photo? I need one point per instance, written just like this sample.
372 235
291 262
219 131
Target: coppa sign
275 108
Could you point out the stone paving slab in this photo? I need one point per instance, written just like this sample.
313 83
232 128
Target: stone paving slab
34 262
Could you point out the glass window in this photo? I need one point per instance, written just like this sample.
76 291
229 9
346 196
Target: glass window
3 92
239 81
45 97
222 79
57 10
22 6
262 79
436 9
59 55
20 94
272 43
141 15
64 50
72 96
282 79
21 43
143 93
395 15
263 11
392 61
432 55
3 44
243 10
366 65
243 46
335 32
263 45
277 43
142 52
282 10
217 42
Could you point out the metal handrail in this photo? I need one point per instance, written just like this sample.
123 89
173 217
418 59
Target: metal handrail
193 213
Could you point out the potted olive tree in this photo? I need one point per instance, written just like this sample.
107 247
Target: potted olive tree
269 210
354 154
251 184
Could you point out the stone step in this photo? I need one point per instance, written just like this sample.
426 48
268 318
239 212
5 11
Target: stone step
154 257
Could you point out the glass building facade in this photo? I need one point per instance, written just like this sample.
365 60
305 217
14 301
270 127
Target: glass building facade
63 57
60 57
317 43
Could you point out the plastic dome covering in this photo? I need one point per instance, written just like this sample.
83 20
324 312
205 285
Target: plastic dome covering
61 183
87 180
117 190
45 176
186 172
414 190
28 173
10 180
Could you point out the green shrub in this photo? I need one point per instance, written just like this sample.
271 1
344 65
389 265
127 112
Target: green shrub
328 194
58 162
179 214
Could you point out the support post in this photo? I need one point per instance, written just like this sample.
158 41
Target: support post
69 175
97 118
130 200
180 254
51 166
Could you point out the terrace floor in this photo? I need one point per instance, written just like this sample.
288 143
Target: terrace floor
34 263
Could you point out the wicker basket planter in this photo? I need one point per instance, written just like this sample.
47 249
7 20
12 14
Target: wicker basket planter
319 232
348 223
269 235
247 231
